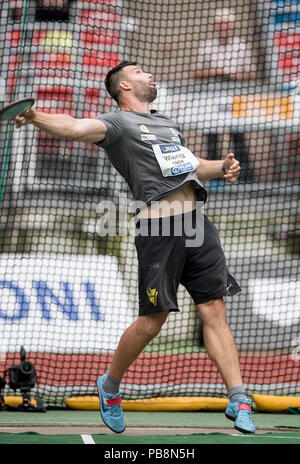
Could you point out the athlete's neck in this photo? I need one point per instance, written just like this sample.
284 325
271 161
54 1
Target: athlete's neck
135 105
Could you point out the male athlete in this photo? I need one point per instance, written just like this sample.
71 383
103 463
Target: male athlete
136 140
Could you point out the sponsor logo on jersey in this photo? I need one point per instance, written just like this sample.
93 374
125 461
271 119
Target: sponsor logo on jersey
169 148
144 128
146 137
181 169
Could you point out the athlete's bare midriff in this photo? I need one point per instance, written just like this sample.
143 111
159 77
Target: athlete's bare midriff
179 202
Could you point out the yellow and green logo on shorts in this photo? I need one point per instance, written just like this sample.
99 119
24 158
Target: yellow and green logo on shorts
152 295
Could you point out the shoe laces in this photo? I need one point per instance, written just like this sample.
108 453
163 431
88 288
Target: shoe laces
244 415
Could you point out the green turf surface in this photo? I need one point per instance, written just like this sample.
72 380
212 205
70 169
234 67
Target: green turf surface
284 429
145 419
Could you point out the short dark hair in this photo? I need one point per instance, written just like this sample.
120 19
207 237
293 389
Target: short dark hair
112 81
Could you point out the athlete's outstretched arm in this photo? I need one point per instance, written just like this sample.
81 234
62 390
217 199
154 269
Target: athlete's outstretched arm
211 169
64 126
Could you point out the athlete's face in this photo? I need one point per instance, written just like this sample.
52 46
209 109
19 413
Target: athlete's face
141 83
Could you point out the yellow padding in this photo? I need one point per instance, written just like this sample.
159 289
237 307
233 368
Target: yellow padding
91 403
275 403
16 401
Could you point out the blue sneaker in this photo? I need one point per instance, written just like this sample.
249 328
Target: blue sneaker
240 412
110 409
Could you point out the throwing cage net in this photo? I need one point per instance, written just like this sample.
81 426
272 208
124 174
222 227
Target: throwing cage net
67 291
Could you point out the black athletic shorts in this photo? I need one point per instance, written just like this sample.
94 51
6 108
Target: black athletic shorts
166 260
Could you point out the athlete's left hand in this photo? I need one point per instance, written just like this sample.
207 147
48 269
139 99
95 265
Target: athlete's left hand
232 168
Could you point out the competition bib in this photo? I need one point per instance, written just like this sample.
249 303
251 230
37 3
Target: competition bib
174 159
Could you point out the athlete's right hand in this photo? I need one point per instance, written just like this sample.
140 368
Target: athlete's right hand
25 118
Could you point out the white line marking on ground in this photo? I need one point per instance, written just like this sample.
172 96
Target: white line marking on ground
88 439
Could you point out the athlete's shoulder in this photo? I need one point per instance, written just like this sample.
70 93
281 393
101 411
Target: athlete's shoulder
162 116
115 126
167 120
110 115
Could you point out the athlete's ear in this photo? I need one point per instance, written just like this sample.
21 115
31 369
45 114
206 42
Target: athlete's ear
125 85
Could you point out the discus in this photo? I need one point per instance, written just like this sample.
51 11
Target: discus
17 108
